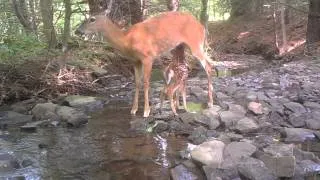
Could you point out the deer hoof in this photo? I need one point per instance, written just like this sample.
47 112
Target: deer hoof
133 111
146 113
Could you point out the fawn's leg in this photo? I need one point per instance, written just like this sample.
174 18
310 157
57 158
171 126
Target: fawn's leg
184 96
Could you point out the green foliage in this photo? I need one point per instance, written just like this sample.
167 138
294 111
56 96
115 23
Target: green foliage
19 47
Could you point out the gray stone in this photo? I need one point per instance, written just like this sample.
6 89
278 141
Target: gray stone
10 118
198 136
25 106
238 109
180 172
8 163
32 126
72 116
87 103
161 126
222 96
280 166
313 124
298 134
230 118
301 155
209 153
254 169
252 96
221 173
312 106
297 119
229 137
308 167
246 125
237 150
295 107
198 92
255 107
45 111
138 125
212 115
279 149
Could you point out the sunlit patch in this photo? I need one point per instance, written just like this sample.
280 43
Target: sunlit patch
243 34
292 45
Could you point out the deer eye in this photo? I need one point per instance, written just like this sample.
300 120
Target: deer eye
92 19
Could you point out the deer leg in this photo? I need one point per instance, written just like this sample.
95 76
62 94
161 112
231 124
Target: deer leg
177 99
170 93
137 76
147 67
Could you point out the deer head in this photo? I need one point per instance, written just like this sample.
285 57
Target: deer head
92 24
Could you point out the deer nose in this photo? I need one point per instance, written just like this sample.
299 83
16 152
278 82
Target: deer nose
79 32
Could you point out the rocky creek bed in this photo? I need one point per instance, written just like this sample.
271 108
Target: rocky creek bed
265 126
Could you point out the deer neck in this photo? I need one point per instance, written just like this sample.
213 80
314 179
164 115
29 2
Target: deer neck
115 36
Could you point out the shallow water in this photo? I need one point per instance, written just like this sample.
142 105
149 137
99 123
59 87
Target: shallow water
102 149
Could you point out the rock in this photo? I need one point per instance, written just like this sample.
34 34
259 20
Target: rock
25 106
313 123
220 173
230 118
198 92
139 125
86 103
255 107
295 107
312 106
262 141
8 163
246 125
10 118
279 159
277 119
161 126
297 119
301 155
298 134
45 111
237 150
222 96
180 172
277 107
209 153
212 115
238 109
254 169
252 96
72 116
198 136
32 126
308 167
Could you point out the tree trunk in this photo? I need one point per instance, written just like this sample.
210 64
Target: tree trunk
204 13
66 29
20 9
173 5
313 27
46 10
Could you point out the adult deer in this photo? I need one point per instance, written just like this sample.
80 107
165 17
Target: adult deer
145 41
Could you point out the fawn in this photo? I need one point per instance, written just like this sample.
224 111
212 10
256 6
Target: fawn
175 76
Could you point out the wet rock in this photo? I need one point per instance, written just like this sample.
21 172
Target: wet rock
10 118
26 163
86 103
25 106
298 134
180 172
209 153
161 126
139 125
198 136
246 125
45 111
8 163
238 150
254 169
255 107
230 118
238 109
221 173
295 107
72 116
297 119
32 126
